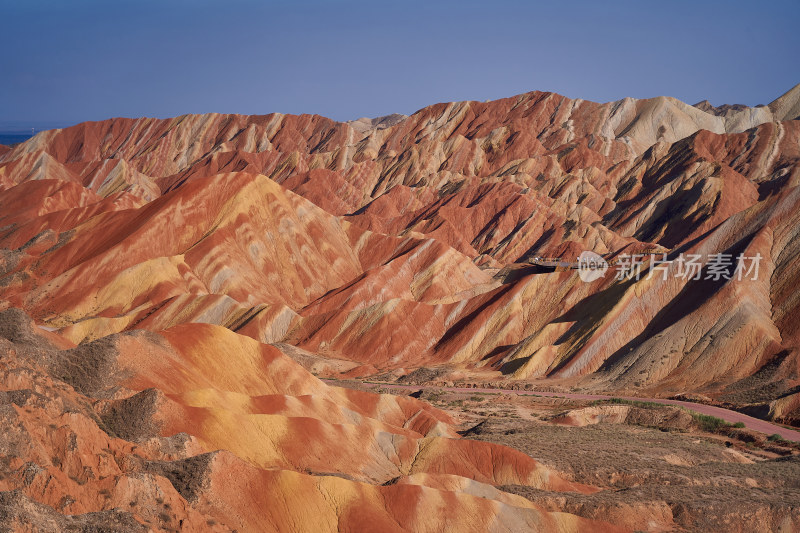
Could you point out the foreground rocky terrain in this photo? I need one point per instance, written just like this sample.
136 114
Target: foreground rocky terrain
201 429
172 287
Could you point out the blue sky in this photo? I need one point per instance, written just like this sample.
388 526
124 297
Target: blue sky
63 62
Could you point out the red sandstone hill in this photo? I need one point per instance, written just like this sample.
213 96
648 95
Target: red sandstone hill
245 241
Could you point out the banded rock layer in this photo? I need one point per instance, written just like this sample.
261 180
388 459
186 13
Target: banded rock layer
383 246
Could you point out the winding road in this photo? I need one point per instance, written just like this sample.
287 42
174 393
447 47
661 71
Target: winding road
756 424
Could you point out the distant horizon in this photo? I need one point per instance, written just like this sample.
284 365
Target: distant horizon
18 127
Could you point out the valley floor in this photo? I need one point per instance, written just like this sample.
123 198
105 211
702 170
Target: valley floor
663 467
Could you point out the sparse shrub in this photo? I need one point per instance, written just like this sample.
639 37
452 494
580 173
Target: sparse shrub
622 401
739 425
709 423
433 396
776 438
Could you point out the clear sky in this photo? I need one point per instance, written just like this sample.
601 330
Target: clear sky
66 61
